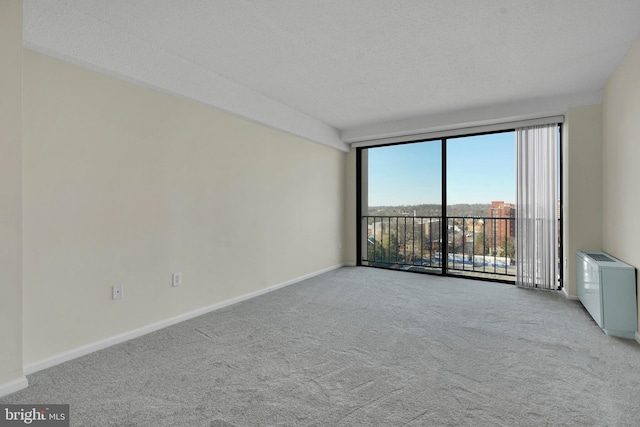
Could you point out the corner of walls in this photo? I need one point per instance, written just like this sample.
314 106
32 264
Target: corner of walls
11 372
567 296
621 158
582 184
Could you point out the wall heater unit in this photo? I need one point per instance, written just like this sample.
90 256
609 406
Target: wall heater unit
607 289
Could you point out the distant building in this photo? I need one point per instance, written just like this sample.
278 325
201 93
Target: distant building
502 225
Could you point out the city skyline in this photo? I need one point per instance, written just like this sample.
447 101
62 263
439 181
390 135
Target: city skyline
480 169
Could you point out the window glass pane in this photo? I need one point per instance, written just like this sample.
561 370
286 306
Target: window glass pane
481 204
480 169
404 194
406 176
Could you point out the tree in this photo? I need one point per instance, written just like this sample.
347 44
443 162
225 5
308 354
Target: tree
384 250
509 249
481 244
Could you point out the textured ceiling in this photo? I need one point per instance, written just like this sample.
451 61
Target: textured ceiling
334 70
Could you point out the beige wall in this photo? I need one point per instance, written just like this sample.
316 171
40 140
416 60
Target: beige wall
582 185
125 185
10 192
621 161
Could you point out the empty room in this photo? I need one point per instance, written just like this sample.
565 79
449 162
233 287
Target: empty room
340 213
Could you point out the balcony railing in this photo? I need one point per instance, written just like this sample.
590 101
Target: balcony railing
476 246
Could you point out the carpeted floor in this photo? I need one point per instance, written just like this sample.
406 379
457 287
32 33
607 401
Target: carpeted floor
360 347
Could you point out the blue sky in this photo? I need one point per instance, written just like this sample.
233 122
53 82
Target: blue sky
480 169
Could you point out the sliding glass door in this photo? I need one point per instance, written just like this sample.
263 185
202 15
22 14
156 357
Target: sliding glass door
443 206
481 205
402 213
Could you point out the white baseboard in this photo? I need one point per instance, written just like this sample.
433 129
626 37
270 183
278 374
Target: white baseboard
13 386
638 337
117 339
567 296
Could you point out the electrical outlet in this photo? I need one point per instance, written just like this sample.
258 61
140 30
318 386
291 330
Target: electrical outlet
117 291
177 279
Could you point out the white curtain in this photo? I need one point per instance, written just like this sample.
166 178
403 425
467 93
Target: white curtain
537 207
